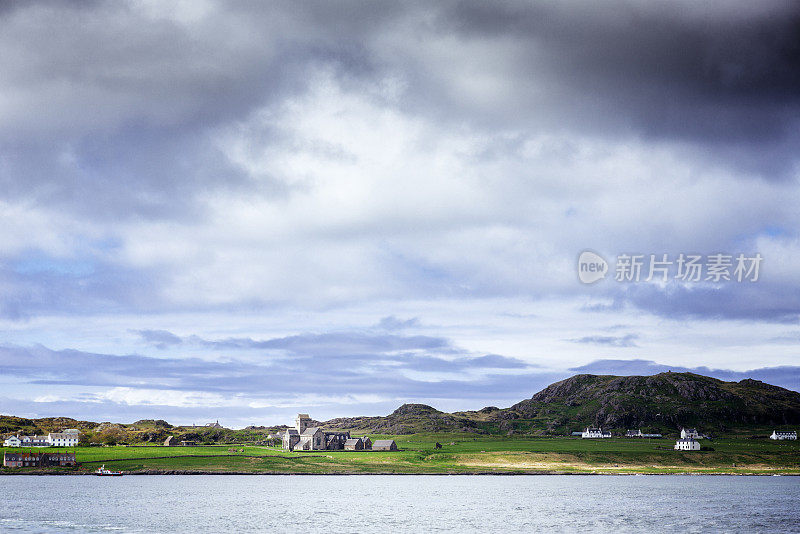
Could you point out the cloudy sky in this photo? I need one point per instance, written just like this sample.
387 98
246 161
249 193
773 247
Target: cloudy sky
243 210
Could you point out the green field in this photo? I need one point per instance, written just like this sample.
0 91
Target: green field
460 454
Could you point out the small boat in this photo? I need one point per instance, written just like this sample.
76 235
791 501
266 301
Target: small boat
103 472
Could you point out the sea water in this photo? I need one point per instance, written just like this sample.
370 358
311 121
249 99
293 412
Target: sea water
381 503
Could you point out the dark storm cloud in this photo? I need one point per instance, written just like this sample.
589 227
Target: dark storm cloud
112 109
724 76
131 98
112 116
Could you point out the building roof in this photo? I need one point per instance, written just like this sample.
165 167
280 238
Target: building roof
382 442
352 441
291 431
310 431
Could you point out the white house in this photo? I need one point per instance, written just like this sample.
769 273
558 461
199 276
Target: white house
34 441
67 438
633 434
12 441
687 444
783 435
689 433
595 433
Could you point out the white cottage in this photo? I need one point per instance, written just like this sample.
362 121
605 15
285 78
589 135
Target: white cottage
689 433
687 444
12 441
67 438
784 435
34 441
595 433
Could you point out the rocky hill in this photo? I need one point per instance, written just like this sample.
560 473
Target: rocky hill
659 403
666 401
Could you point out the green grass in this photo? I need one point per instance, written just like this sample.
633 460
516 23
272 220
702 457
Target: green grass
462 453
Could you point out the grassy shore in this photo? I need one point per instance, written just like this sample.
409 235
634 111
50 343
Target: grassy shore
461 454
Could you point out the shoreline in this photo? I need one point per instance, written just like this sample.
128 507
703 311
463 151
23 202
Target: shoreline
179 472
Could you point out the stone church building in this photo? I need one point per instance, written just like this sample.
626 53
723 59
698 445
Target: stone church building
304 437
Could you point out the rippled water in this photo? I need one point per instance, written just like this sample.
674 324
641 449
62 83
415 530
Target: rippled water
398 503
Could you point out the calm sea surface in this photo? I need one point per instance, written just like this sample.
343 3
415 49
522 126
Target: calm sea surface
338 504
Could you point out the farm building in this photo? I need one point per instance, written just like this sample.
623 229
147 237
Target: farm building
367 443
639 434
384 445
38 459
783 435
595 433
354 444
687 444
690 433
334 441
188 443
